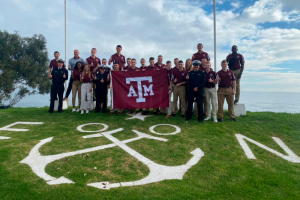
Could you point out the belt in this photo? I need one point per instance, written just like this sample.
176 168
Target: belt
224 87
234 69
86 82
210 87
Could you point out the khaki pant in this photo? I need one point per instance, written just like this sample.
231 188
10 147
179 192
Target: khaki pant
76 86
168 110
222 94
236 73
179 91
210 97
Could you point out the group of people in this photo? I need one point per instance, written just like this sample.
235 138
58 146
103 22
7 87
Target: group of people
192 81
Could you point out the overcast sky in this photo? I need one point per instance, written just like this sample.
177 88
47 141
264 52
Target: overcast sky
265 31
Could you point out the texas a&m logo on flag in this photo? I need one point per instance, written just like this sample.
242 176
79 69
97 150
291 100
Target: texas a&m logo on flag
139 89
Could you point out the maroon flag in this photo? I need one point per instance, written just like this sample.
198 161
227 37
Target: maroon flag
140 89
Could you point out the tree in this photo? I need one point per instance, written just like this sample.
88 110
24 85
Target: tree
23 66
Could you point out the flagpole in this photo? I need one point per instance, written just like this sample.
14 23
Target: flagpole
66 82
215 42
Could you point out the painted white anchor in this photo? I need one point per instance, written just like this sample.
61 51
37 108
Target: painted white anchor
37 162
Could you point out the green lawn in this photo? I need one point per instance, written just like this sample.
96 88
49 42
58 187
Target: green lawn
223 173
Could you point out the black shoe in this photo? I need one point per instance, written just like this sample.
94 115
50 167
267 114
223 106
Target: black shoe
155 113
220 120
236 101
60 111
173 115
234 120
140 110
96 111
200 120
50 112
182 116
187 119
146 112
104 113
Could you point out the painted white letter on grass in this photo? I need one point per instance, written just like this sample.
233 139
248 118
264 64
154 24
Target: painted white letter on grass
7 128
291 157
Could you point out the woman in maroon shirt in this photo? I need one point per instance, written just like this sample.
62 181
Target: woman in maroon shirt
188 65
76 85
86 89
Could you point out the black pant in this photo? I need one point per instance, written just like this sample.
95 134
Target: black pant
191 94
69 87
56 89
101 99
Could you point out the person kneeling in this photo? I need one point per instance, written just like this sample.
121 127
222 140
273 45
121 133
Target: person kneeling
101 80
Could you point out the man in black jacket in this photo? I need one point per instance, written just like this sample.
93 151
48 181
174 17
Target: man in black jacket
101 79
58 75
196 80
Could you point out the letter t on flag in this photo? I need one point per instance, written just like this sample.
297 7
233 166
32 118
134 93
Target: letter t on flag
136 89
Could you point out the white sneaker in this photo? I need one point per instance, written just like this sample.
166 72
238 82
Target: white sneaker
215 119
78 110
73 110
82 111
207 118
87 111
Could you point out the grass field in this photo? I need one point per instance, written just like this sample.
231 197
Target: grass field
223 173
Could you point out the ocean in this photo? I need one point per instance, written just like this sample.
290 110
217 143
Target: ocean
279 102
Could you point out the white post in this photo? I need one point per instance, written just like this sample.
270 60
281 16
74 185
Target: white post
215 42
66 63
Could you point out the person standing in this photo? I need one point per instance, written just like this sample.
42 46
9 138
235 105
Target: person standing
150 67
115 69
86 89
118 58
76 84
53 63
210 91
101 80
179 90
72 62
128 63
93 62
196 80
188 65
236 64
170 77
58 75
200 55
131 69
143 64
225 91
159 63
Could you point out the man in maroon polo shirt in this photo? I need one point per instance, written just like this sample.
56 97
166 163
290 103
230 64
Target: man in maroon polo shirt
236 63
133 66
143 65
170 76
159 63
175 69
200 55
226 91
150 67
118 58
53 63
128 63
93 62
179 89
